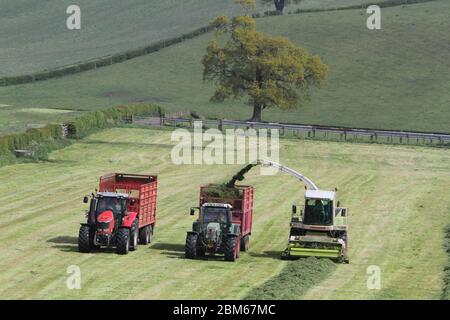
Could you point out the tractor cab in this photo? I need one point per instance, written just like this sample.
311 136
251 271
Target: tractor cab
319 207
216 213
115 202
106 206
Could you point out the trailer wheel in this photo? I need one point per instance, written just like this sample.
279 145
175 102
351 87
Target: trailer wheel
191 246
150 233
231 247
245 243
123 241
134 236
145 235
84 241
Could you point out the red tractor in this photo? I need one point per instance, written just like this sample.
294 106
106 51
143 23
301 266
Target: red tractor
121 214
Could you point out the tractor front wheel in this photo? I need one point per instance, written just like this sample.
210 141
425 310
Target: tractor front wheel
231 247
191 246
123 241
84 241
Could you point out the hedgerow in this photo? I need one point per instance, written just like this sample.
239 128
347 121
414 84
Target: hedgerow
42 141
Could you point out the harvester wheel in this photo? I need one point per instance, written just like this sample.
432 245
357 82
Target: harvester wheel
84 242
134 233
245 243
191 246
123 241
231 247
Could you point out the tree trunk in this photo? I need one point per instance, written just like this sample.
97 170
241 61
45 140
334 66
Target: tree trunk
257 110
279 5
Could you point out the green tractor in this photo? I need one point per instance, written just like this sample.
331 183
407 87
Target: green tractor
214 232
223 226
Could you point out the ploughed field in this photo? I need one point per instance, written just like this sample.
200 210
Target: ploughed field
395 194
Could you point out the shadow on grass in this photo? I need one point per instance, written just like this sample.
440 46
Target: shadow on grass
70 244
65 243
266 254
170 250
176 251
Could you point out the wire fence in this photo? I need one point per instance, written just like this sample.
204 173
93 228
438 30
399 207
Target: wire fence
310 131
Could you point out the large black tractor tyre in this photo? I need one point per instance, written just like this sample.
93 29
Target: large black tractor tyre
231 249
134 236
245 243
84 239
145 235
201 251
191 246
123 241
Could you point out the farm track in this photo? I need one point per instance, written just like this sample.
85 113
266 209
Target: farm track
397 220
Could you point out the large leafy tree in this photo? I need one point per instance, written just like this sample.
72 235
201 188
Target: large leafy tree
271 71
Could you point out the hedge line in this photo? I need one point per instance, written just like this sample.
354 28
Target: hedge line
44 140
101 62
91 121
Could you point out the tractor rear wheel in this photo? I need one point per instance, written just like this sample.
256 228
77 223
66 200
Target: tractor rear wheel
145 235
245 243
123 241
231 247
134 236
191 246
84 241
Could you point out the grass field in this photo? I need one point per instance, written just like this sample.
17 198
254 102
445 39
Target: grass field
396 197
375 79
34 37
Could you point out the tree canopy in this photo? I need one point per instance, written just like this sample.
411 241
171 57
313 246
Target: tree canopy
270 71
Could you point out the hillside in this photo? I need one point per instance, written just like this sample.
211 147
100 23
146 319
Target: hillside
397 215
375 80
34 37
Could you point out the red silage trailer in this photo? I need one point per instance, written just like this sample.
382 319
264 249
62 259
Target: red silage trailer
141 188
121 214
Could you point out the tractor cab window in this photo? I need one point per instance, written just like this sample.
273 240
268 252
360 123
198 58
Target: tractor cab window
116 205
215 214
318 212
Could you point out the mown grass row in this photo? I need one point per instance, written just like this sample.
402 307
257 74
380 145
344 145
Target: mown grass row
294 280
446 287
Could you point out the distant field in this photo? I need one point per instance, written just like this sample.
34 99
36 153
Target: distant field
395 78
34 37
395 194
